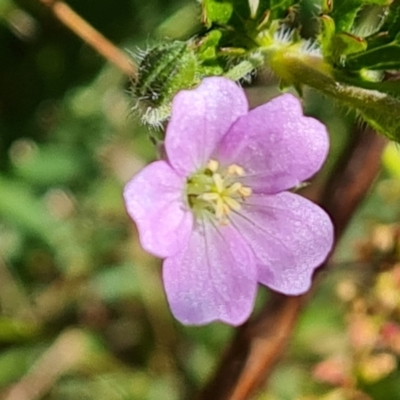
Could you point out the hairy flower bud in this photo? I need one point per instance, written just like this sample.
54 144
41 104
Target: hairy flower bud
164 70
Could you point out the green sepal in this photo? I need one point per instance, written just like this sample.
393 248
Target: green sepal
326 35
326 6
207 47
343 44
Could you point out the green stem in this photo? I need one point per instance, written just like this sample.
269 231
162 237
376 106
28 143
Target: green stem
295 68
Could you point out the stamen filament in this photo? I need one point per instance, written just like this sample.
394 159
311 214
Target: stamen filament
233 204
233 188
219 182
245 191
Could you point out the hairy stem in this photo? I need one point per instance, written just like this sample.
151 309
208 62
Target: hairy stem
91 36
260 343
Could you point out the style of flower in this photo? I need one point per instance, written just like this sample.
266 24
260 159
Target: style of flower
217 209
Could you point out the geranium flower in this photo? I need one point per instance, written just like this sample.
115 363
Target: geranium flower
217 209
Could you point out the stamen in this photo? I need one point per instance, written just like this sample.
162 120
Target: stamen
235 170
220 210
234 188
245 191
219 182
233 204
213 165
209 196
226 209
217 191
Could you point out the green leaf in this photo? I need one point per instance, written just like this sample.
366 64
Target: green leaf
15 362
237 12
392 23
21 207
216 12
50 165
391 159
383 52
279 7
345 12
384 57
116 283
387 388
12 331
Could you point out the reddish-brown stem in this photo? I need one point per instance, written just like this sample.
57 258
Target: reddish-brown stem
260 343
355 173
91 36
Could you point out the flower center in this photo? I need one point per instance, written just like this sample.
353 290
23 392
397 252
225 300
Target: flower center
217 191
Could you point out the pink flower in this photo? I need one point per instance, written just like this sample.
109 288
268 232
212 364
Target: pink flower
217 209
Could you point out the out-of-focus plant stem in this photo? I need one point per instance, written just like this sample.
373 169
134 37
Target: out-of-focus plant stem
65 353
91 36
260 343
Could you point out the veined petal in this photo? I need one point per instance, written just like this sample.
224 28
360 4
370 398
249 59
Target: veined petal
276 145
154 199
213 278
199 118
290 236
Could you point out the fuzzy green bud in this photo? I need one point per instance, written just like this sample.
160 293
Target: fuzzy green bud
163 71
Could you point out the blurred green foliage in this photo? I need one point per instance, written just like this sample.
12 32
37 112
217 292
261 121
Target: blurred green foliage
82 309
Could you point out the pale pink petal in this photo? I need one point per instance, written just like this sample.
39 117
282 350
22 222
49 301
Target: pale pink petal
290 237
199 118
276 145
213 278
154 199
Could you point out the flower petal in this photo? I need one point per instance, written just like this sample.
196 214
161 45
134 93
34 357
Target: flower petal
199 119
154 199
214 278
290 236
276 145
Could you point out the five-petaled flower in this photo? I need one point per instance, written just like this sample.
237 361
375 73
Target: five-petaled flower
218 210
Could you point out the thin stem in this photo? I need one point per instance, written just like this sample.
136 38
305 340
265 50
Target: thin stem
91 36
260 343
